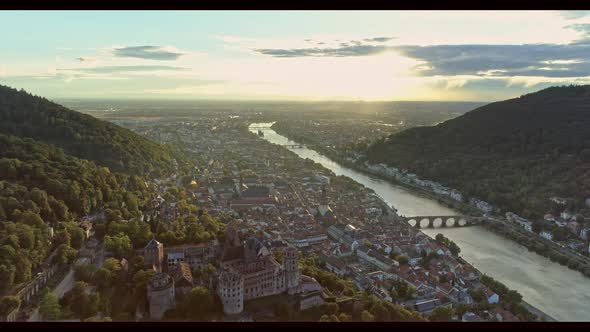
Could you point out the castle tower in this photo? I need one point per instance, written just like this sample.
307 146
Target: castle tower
153 255
230 289
160 294
291 266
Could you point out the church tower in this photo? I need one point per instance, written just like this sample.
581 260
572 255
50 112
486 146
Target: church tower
291 266
153 255
324 197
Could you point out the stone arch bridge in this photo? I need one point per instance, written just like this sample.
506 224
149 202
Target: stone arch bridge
441 221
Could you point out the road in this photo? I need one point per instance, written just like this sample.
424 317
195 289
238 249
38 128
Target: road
66 284
63 287
563 250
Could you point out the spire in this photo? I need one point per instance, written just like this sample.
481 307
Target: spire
324 197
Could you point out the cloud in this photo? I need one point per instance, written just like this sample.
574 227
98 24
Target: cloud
574 14
86 59
148 52
344 51
379 39
527 60
547 60
121 69
584 28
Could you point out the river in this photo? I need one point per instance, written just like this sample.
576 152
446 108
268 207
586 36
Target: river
562 293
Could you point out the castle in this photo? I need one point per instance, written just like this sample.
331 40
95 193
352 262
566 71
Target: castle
249 271
246 270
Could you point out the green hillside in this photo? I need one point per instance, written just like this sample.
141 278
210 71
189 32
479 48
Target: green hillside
81 135
515 153
57 165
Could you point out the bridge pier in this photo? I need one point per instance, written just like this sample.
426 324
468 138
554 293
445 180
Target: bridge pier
445 221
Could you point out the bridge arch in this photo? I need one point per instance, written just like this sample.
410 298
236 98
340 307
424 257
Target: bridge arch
412 222
450 222
424 222
462 222
437 222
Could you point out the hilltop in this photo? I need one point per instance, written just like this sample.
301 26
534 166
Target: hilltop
514 153
81 135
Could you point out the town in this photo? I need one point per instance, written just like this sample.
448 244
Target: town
263 209
291 202
562 234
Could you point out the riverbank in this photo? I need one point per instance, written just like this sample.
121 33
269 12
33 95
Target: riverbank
535 311
542 247
354 169
337 158
548 250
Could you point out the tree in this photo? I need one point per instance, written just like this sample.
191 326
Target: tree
6 277
103 278
119 245
49 306
344 317
331 308
140 280
65 254
85 272
7 255
81 303
62 236
201 302
9 303
367 316
402 260
78 236
380 311
442 314
334 318
461 309
23 268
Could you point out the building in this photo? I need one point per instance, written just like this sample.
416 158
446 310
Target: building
512 217
195 256
248 271
153 255
335 265
547 235
183 279
375 258
161 295
310 300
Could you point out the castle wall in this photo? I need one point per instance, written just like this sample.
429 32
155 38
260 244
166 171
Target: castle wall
161 300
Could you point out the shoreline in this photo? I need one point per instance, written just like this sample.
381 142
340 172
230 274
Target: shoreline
421 192
446 201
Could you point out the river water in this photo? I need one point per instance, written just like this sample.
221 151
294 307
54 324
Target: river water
562 293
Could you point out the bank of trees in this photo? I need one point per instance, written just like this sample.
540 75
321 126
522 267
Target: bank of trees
82 135
515 153
453 247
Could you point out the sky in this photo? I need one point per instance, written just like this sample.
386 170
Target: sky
293 55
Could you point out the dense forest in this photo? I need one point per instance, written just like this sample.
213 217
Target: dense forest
515 154
57 166
81 135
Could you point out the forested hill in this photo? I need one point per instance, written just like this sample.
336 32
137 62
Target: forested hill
81 135
515 153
